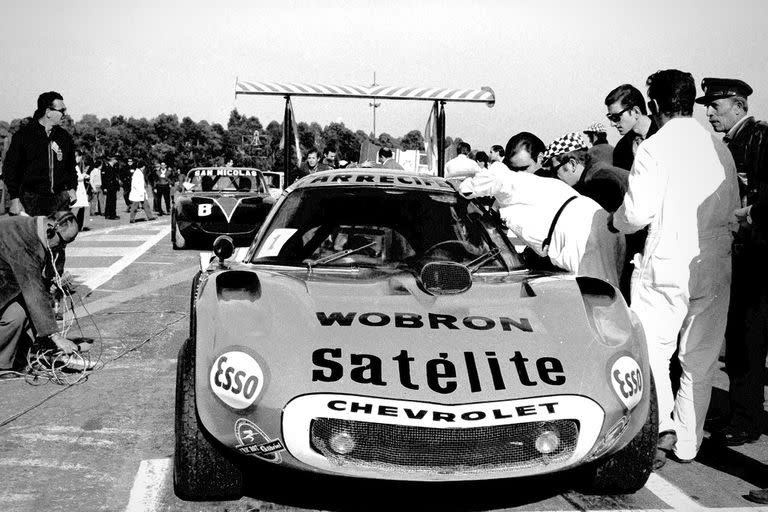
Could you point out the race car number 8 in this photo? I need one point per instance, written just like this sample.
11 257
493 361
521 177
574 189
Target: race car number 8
203 210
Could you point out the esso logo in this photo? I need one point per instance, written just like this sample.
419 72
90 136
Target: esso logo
236 378
627 381
204 210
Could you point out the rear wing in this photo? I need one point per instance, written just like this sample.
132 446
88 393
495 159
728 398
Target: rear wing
439 96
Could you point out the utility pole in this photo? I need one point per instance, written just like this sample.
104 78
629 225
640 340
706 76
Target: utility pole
374 105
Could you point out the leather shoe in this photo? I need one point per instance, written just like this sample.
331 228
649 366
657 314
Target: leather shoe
667 440
758 495
666 443
732 436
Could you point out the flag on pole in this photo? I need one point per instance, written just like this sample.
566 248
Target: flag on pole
430 140
290 120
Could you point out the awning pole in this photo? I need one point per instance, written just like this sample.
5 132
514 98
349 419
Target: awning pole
287 142
441 140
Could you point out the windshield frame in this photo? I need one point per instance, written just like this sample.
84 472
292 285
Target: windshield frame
487 226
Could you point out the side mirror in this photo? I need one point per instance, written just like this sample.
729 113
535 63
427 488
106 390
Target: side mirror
223 248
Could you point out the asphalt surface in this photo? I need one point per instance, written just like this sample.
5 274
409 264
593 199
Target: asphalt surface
106 443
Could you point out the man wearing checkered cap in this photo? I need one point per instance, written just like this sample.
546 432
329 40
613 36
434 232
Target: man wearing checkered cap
553 220
600 150
570 161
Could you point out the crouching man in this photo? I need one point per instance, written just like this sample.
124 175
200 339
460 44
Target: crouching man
25 248
553 220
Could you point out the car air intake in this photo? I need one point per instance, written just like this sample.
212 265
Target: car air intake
444 450
445 278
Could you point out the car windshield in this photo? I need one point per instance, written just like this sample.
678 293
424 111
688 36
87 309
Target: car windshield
365 226
224 180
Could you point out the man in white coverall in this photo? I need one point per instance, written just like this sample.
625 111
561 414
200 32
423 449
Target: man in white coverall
553 220
683 186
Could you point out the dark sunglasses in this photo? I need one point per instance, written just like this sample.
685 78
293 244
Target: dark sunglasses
554 168
615 117
61 111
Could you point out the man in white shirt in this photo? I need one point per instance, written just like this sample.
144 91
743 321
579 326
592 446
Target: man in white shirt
462 165
496 157
683 186
553 220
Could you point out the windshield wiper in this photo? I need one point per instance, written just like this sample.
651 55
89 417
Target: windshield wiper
475 264
335 256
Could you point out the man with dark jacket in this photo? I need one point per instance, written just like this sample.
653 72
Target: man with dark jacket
25 246
628 114
745 339
39 168
110 184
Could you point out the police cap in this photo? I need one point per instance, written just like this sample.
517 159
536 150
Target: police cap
718 88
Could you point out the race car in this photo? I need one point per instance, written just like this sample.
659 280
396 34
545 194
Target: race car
382 326
218 201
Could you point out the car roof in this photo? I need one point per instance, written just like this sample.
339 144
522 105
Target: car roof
375 178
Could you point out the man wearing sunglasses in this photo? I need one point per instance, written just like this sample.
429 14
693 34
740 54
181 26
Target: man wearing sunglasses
627 113
26 246
39 167
683 186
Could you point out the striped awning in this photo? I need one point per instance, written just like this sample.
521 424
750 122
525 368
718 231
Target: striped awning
482 95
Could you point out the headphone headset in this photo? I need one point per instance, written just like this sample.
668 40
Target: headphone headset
52 229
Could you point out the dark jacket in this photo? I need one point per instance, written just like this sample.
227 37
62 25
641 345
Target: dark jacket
623 155
22 260
31 164
109 178
749 147
604 183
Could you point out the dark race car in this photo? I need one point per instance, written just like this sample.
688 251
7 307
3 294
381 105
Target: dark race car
217 201
383 326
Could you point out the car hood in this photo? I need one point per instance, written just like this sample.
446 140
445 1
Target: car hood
381 335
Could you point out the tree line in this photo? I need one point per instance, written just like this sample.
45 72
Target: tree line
185 144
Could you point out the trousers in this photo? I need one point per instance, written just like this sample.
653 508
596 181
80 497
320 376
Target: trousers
13 322
682 304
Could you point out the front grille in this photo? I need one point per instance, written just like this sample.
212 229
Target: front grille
449 450
223 228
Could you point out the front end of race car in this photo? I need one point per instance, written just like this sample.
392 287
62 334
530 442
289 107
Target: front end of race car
203 217
372 376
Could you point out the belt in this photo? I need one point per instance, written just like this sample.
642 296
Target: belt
546 242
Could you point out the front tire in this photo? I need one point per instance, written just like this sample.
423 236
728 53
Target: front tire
200 471
627 470
177 239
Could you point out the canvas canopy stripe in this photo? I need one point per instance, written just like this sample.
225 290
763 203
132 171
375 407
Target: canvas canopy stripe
565 144
482 95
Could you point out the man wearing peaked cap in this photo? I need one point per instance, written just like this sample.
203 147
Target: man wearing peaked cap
745 342
718 88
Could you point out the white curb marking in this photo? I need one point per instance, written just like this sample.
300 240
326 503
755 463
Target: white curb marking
148 485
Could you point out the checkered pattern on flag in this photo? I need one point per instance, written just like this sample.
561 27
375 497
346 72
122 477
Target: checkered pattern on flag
430 140
290 119
565 144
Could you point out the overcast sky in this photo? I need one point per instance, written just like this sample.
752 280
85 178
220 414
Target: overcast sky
551 63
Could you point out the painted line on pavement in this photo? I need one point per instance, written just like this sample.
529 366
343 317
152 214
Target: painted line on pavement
140 290
102 276
152 475
90 251
672 495
148 485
